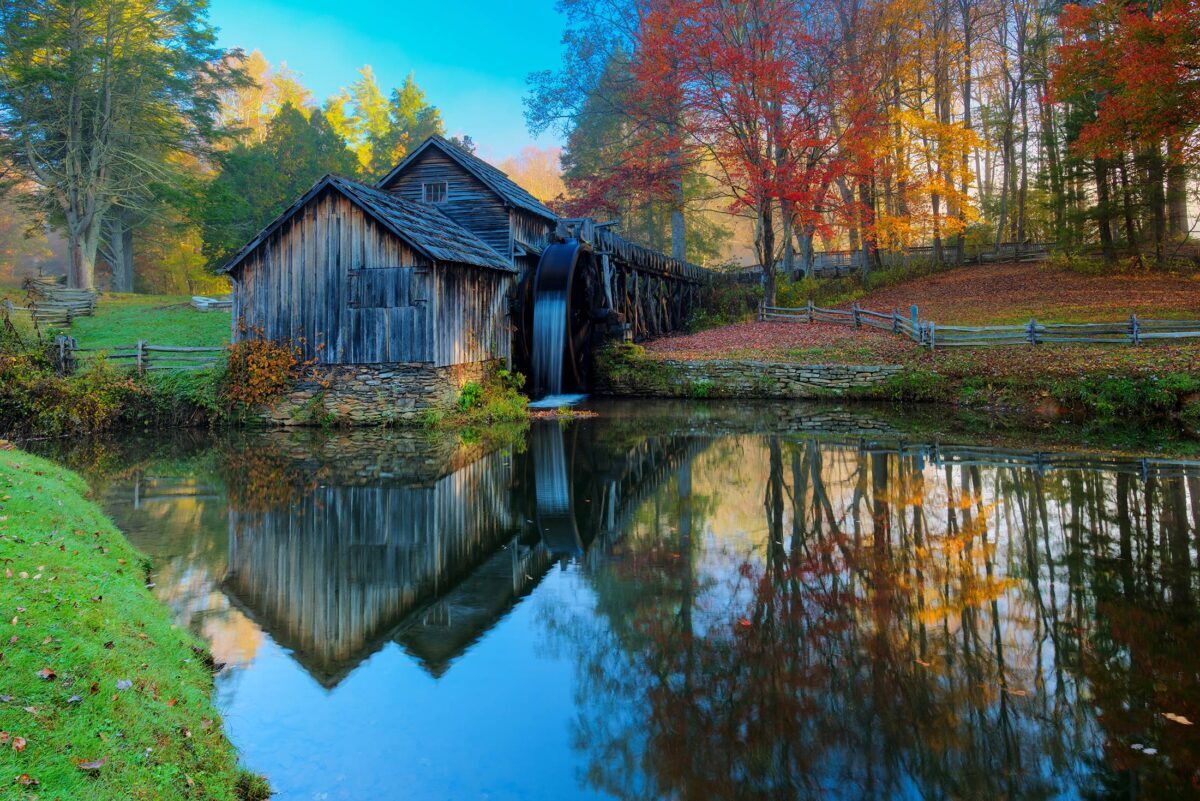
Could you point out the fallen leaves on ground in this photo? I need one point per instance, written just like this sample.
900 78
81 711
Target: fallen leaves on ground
1002 293
786 341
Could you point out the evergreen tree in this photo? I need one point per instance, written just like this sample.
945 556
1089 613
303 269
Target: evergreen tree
258 181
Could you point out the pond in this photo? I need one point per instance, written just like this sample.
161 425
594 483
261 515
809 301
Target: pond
681 601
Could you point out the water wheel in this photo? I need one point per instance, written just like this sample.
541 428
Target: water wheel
558 325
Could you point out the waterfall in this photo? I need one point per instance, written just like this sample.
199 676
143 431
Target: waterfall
549 340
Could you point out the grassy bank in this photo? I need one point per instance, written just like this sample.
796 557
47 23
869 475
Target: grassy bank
102 697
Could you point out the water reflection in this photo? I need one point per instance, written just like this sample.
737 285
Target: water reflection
658 605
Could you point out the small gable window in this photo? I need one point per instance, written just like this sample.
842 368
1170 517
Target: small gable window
434 193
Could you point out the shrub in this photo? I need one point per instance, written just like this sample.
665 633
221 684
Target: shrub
35 402
470 396
260 370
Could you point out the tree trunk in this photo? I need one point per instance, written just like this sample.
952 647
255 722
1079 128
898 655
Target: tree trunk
1104 210
678 226
807 256
1177 216
83 239
789 248
766 250
118 251
960 252
1156 200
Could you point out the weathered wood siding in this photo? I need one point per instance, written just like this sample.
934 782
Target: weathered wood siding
529 229
470 315
298 286
469 202
348 291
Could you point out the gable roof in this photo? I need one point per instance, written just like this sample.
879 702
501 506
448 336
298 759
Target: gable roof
493 178
420 225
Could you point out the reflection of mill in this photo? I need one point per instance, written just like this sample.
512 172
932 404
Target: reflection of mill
353 562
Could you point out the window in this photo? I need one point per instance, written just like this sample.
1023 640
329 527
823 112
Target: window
434 193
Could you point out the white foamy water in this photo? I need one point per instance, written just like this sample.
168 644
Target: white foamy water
555 401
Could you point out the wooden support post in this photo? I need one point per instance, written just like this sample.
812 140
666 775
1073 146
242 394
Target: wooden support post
140 355
1135 330
895 321
916 320
810 310
1032 331
854 315
932 335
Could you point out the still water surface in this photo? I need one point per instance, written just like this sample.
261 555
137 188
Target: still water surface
663 604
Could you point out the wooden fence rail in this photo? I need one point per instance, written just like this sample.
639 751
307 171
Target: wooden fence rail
140 356
1133 331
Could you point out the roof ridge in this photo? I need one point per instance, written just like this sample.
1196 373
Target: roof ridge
491 176
423 226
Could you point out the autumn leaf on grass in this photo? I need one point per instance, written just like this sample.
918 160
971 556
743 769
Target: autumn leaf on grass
1180 719
94 764
47 674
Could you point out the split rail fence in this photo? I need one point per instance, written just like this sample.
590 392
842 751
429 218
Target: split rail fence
1133 331
140 356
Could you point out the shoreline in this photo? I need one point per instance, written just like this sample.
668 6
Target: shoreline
1174 396
109 698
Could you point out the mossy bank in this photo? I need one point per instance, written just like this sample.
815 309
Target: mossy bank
101 695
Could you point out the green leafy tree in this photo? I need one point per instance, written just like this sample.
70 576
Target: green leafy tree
411 120
256 182
94 94
359 114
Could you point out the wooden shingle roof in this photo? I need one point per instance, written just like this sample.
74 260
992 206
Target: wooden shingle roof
421 225
496 180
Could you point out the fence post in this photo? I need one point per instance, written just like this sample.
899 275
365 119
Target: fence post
932 335
1032 331
916 320
762 310
1135 330
140 354
60 343
810 310
854 314
895 321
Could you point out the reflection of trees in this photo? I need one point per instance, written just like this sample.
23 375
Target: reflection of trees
900 629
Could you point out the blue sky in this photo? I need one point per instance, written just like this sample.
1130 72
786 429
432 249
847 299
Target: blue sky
470 56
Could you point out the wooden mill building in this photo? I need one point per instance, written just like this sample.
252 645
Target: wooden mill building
407 285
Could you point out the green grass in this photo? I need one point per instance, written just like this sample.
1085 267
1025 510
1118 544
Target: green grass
94 670
159 319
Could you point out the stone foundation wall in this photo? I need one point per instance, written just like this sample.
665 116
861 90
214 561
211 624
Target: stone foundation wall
372 394
674 378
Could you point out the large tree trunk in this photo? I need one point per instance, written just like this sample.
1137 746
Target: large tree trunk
83 239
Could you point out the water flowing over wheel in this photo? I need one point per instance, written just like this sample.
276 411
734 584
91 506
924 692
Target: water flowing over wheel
560 344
